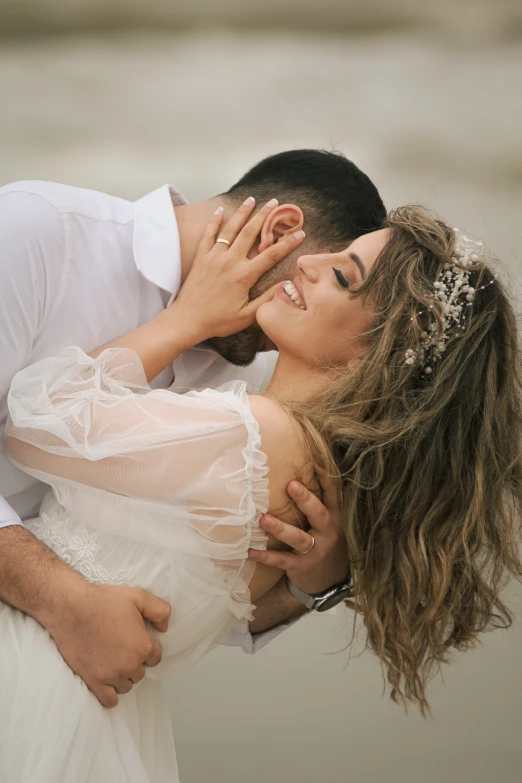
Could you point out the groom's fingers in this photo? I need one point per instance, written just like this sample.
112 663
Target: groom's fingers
154 656
124 685
138 675
107 696
318 516
297 539
331 498
285 561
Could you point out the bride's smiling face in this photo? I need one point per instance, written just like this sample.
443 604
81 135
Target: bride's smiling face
315 318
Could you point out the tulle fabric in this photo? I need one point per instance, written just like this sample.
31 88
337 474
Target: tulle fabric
149 488
52 729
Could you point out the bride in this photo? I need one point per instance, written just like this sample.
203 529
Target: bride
398 375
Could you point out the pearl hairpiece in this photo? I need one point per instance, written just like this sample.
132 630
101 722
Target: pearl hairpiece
452 294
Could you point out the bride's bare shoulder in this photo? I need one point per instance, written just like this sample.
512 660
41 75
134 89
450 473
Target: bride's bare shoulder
281 438
287 460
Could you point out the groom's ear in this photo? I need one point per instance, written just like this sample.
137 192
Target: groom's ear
283 220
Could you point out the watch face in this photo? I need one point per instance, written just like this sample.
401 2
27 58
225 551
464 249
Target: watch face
333 600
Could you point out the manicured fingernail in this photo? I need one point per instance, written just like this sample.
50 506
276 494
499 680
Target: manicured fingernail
248 201
299 234
252 553
267 521
218 211
272 203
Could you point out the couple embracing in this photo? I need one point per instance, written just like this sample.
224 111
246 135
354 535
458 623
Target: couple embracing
170 505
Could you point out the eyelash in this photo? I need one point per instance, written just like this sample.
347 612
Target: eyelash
343 282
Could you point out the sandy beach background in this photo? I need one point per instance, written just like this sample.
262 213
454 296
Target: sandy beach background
122 96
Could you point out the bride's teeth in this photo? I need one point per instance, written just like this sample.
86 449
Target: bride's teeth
290 289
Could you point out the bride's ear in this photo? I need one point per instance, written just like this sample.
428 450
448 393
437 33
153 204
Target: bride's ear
283 220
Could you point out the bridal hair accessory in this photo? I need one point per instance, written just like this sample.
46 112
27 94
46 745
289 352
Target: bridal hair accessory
452 294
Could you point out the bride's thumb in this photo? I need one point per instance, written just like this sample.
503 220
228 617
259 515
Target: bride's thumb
155 610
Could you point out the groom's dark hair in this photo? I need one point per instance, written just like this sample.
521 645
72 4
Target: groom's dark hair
338 201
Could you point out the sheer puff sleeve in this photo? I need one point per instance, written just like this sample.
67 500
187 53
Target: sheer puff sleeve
183 473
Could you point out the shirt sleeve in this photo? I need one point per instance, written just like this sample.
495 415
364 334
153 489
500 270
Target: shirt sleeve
8 516
32 254
239 636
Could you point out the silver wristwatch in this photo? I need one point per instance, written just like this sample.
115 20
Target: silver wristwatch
321 602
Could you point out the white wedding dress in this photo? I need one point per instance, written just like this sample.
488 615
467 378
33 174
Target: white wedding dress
149 488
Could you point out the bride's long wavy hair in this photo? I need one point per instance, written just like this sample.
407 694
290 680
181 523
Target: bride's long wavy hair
430 466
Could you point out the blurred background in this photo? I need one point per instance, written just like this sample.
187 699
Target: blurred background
426 97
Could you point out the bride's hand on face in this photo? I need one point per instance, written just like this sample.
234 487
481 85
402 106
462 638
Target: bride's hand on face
215 295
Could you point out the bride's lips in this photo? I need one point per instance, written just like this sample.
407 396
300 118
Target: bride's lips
292 294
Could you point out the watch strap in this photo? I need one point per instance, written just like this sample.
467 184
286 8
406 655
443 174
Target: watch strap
304 598
320 601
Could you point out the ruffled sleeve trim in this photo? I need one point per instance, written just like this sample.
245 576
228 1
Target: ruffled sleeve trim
257 496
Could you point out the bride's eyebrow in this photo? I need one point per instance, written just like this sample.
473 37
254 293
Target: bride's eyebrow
357 261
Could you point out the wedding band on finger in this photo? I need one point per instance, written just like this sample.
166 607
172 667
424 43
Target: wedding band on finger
310 549
223 241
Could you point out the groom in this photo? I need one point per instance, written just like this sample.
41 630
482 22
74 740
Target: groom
82 268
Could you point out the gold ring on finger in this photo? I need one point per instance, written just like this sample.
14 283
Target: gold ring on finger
310 549
223 241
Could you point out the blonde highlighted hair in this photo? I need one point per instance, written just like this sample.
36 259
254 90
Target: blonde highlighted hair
429 467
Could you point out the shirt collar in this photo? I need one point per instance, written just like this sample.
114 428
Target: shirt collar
156 238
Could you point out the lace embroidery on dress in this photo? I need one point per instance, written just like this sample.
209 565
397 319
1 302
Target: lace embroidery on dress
78 551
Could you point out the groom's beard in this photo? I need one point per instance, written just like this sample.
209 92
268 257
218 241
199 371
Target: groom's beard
240 348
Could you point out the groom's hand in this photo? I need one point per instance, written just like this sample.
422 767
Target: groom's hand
326 564
99 630
101 634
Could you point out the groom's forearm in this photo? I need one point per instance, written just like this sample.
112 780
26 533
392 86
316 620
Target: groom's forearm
32 578
276 607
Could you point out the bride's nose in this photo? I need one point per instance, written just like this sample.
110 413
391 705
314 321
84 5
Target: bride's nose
308 267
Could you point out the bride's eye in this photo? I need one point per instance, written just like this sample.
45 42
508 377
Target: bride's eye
341 279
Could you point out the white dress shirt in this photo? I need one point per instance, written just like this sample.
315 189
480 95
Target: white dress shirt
78 267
